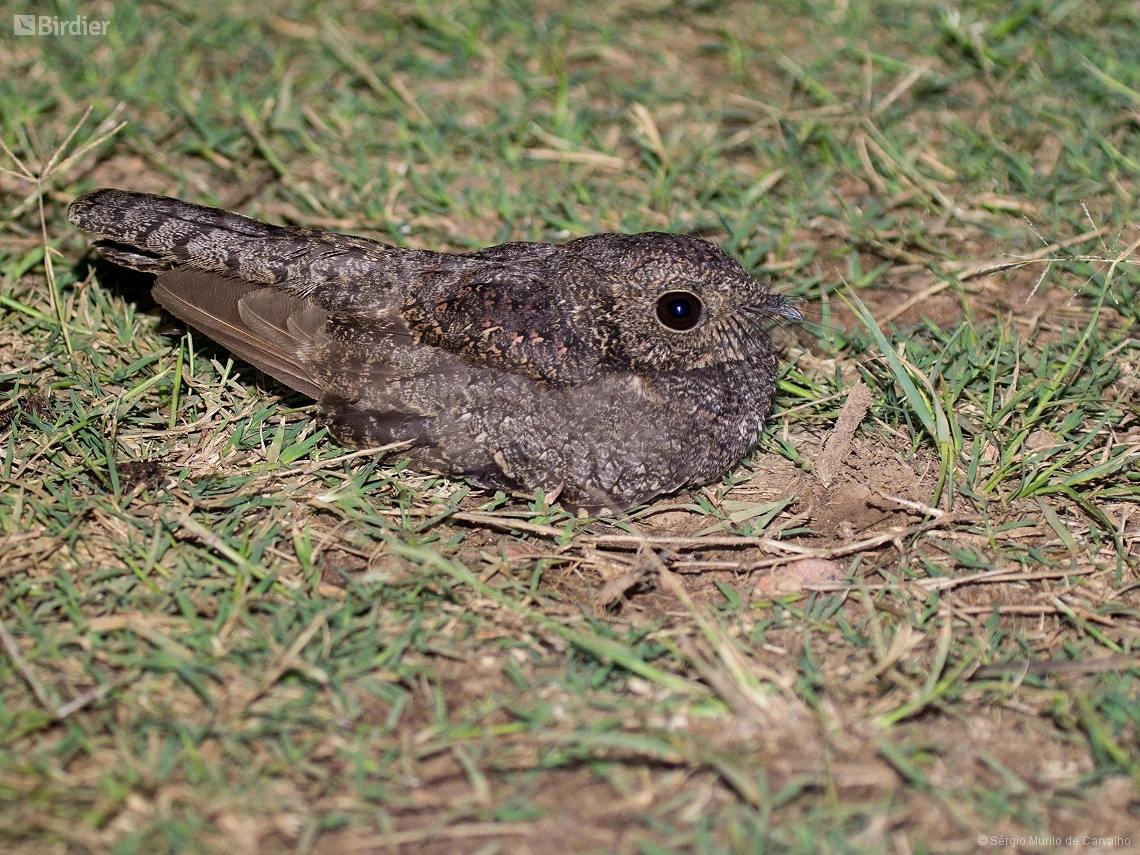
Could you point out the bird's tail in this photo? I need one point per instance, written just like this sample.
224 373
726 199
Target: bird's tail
246 284
156 233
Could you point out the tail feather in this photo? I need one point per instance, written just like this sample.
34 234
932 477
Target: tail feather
153 233
128 256
140 218
147 232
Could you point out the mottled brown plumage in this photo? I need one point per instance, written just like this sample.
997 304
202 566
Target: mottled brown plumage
613 368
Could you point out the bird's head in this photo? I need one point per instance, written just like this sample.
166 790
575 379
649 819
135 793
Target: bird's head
677 303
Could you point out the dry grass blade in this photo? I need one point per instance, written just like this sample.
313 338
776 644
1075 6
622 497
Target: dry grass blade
590 158
335 39
21 664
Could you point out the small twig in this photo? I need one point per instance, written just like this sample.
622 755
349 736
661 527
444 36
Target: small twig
924 509
838 443
102 133
83 699
945 584
901 88
507 524
1007 610
1081 617
990 577
786 549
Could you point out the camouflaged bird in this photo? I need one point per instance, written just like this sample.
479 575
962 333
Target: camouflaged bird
609 369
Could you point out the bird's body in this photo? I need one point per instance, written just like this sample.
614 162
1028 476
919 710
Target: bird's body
613 368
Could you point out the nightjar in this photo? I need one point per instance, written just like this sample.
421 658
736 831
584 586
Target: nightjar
611 368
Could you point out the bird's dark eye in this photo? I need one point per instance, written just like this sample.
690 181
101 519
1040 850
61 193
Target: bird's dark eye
679 310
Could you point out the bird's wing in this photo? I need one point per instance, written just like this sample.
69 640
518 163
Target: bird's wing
509 317
268 328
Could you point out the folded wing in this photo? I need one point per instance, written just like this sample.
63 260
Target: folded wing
268 328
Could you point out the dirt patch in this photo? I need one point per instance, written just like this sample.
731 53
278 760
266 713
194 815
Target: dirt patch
859 496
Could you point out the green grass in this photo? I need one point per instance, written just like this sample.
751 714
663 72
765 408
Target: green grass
225 633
